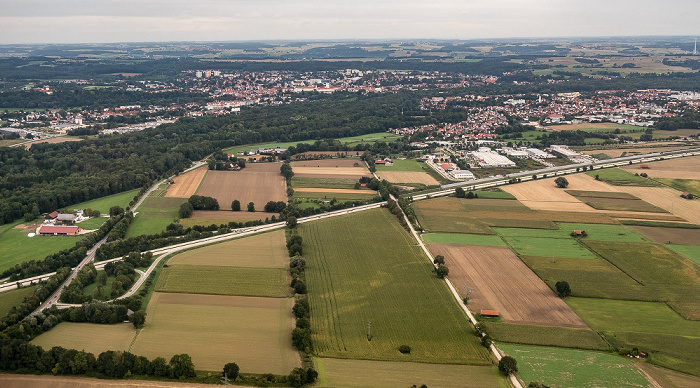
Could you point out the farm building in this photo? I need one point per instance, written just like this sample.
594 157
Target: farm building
48 230
446 167
489 313
644 166
687 195
52 215
65 217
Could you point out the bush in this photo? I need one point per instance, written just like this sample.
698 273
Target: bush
563 289
405 349
231 370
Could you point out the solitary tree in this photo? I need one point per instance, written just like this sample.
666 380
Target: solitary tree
236 205
291 222
561 182
442 271
138 318
508 365
251 207
459 192
563 289
231 370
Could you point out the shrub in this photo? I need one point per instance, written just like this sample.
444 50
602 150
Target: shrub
231 370
405 349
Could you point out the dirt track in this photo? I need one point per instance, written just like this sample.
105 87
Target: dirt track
501 281
186 184
258 183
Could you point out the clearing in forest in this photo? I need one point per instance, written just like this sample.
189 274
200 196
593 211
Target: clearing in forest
186 185
366 274
257 182
501 281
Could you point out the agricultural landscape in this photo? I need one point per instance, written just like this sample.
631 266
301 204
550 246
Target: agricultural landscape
318 214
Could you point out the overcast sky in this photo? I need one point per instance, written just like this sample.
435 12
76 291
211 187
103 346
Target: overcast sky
98 21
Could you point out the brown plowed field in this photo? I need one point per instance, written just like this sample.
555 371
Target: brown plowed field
29 381
674 235
258 183
670 200
501 281
186 184
408 177
680 168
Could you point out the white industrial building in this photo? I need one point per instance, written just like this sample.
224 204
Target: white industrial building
463 174
491 159
565 152
539 154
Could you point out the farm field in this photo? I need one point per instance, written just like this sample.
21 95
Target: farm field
265 250
92 223
103 204
538 246
668 378
543 194
565 337
407 177
53 140
330 163
329 194
186 184
690 251
350 141
303 191
91 337
330 172
463 239
329 183
597 127
402 165
17 247
353 280
504 283
678 168
690 185
9 299
669 200
673 235
214 330
224 280
618 152
341 373
154 215
600 232
575 368
224 216
258 183
620 177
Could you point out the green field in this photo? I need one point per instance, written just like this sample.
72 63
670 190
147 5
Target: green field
224 280
17 247
600 194
536 246
154 214
93 223
463 239
566 337
619 177
592 278
575 368
690 251
341 373
361 195
493 194
326 183
9 299
671 351
402 165
632 316
690 185
103 204
365 268
603 232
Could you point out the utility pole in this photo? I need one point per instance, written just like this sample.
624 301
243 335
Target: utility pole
369 330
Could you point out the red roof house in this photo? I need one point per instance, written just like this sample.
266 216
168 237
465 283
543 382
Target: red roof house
49 230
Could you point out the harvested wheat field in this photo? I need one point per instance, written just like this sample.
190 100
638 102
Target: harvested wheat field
669 235
214 330
258 183
543 194
90 337
679 168
331 172
228 215
186 184
53 140
669 200
618 152
266 250
501 281
408 177
30 381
